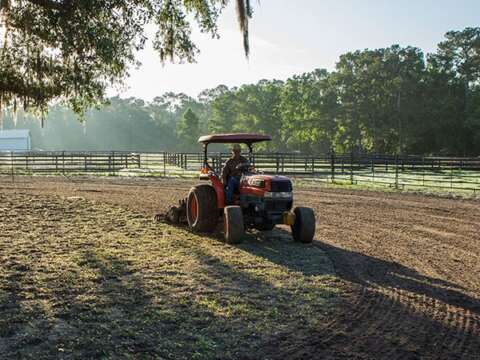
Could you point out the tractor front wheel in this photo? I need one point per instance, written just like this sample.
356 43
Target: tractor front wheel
202 213
233 224
303 230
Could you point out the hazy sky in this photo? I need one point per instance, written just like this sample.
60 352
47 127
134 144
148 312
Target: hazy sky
294 36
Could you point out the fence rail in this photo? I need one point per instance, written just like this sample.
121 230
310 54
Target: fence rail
454 173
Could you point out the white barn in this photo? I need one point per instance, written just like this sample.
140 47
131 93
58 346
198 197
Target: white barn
15 140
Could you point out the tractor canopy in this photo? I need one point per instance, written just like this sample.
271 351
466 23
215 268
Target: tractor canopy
248 139
238 138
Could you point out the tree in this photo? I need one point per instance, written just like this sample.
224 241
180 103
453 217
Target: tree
188 130
380 97
257 110
72 50
459 55
458 61
223 112
308 108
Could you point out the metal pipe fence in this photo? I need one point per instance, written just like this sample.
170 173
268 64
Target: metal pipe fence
396 171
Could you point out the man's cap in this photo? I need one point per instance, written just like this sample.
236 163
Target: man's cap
236 147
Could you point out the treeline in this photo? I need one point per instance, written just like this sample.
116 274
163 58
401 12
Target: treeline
392 100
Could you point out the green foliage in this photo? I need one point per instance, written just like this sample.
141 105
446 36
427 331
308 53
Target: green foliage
72 50
392 100
379 94
309 109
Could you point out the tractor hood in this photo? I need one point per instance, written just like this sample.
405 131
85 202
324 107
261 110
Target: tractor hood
268 182
267 177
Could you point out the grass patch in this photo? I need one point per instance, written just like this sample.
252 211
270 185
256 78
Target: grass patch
87 280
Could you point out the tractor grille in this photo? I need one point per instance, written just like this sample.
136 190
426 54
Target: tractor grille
281 186
278 205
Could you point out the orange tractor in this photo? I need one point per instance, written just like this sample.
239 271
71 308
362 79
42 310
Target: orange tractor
261 202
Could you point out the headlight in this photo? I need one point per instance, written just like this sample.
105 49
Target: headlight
279 195
257 183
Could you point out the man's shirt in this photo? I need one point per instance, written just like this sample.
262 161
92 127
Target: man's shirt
230 167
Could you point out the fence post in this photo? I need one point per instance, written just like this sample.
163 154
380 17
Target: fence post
294 163
113 162
373 168
11 166
423 170
164 164
451 176
332 165
220 163
396 171
351 167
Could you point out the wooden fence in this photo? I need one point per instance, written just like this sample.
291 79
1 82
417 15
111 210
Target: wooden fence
66 162
453 173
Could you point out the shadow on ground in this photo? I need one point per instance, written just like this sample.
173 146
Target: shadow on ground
388 311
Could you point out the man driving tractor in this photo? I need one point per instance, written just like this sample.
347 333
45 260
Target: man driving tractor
264 200
230 174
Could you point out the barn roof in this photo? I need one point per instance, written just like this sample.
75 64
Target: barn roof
14 134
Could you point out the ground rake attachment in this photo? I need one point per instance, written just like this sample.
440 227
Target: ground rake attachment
176 215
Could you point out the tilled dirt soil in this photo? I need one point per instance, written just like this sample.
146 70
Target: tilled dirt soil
409 266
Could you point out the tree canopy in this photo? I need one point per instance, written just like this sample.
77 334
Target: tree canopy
389 100
72 50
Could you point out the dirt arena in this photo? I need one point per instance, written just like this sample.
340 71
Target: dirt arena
407 266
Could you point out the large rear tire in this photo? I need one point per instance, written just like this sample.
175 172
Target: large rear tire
233 224
303 230
202 213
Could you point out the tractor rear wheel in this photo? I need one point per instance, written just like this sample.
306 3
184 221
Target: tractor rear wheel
303 230
233 224
202 213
